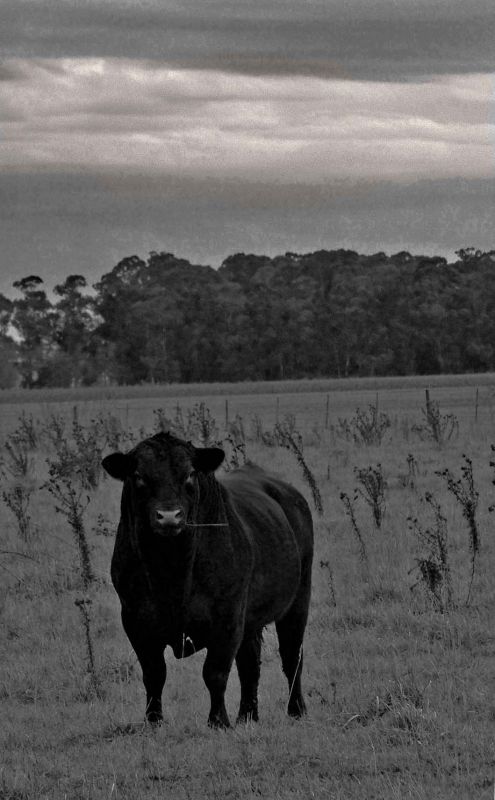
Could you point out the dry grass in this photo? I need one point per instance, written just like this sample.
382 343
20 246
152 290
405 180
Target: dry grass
400 696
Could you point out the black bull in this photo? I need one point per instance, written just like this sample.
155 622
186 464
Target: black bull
206 563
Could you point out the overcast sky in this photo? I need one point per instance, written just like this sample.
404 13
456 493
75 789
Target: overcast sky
204 128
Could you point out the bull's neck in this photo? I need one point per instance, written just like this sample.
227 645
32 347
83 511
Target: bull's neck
168 558
211 506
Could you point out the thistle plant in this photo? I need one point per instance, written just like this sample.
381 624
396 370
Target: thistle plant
436 426
434 564
78 452
16 471
55 430
467 496
327 566
350 512
204 424
16 460
89 443
197 424
287 436
17 499
70 502
366 427
112 431
259 434
27 430
84 605
236 431
162 423
237 453
372 489
409 479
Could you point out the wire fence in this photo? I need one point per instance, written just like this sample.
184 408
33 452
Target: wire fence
312 411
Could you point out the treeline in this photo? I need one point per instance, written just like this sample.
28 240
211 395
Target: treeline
328 313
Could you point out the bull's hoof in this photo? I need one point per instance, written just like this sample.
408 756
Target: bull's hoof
297 709
155 719
219 722
247 715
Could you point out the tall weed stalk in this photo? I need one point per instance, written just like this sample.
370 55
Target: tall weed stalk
366 427
17 498
287 436
84 605
410 478
237 454
436 427
70 502
16 461
16 471
350 512
434 564
197 424
467 496
372 489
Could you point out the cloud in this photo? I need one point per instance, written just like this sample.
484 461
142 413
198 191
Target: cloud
380 39
128 115
60 224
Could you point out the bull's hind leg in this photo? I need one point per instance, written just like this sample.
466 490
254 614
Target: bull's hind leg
290 631
149 650
248 660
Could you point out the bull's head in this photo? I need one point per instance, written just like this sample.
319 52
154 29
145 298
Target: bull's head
162 475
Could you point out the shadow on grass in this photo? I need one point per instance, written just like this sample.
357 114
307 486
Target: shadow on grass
111 733
129 729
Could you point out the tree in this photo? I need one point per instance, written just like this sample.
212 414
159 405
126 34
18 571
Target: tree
117 341
323 313
33 320
74 321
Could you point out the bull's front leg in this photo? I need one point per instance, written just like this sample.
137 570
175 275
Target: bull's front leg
222 650
149 649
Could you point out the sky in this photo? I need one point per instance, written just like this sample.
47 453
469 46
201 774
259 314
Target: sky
209 127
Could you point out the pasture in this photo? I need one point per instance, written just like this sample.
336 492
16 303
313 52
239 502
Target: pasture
399 673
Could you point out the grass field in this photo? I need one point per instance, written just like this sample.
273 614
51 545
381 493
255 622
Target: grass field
400 691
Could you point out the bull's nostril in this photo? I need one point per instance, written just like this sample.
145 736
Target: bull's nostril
173 517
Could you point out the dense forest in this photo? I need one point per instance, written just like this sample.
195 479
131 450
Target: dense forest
328 313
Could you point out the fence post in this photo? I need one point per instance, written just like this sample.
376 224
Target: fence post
226 413
476 405
327 411
277 408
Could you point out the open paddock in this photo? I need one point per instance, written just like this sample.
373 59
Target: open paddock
400 683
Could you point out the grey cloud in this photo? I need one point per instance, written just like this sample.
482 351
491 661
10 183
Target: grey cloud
382 39
58 224
13 72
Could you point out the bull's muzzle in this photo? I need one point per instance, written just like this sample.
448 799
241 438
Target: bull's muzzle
173 520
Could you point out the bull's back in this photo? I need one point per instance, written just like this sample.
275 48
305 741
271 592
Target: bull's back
278 522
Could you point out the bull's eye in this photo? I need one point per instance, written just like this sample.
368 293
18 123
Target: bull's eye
139 481
190 482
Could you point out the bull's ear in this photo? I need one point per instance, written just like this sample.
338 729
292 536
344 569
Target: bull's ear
118 465
208 459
